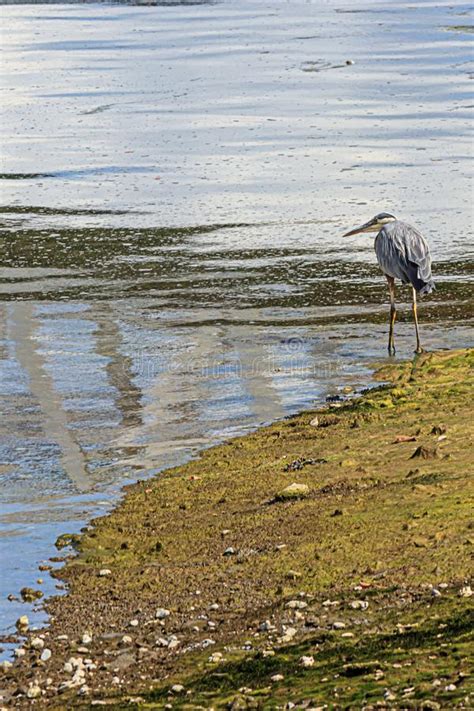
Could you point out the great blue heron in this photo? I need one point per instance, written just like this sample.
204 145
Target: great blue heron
402 253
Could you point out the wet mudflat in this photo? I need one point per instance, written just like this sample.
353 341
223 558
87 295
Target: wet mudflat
174 185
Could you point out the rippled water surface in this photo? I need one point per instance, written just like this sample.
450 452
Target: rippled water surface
175 180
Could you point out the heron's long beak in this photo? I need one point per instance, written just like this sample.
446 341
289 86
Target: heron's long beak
368 227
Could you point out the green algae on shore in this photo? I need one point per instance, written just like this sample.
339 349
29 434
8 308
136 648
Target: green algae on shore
366 576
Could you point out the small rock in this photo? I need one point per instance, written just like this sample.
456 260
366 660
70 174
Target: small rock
425 453
296 605
349 62
161 642
126 639
33 691
37 643
177 689
359 604
22 624
216 658
214 606
339 625
19 652
307 662
389 695
133 623
277 677
104 572
68 667
314 422
162 613
450 687
45 655
293 491
266 626
229 551
30 595
86 638
173 642
435 592
466 591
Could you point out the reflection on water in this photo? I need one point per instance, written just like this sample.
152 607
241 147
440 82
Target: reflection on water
172 270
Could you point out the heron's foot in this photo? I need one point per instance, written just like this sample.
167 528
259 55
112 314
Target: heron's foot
391 349
419 350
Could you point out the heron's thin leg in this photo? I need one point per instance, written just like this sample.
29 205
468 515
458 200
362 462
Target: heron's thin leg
393 314
418 349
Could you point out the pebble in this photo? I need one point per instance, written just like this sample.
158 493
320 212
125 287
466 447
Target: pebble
229 551
339 625
314 422
86 638
296 605
33 691
104 572
133 623
68 668
161 642
349 63
450 687
288 635
266 626
22 624
293 491
115 680
330 603
162 613
466 591
435 592
126 639
359 604
216 658
37 643
207 643
177 688
173 642
45 655
214 606
277 677
389 696
62 637
307 662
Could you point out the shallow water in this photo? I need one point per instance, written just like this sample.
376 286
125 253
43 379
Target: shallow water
175 182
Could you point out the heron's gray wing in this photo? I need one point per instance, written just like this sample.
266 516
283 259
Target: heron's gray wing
403 253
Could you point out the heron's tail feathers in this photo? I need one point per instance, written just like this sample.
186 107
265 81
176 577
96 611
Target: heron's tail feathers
426 288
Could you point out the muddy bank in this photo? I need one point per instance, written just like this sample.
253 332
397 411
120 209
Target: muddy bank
220 584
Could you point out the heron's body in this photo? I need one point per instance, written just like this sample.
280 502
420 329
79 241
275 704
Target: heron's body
402 253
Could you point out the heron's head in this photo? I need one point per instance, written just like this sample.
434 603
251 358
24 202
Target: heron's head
373 225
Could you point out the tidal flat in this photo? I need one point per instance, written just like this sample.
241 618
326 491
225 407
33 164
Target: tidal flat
220 584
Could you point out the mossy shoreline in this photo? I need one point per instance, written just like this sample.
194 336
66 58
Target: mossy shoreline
354 593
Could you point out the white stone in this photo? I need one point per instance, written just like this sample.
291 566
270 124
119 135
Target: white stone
339 625
45 655
133 623
277 677
177 688
37 643
33 691
162 613
307 661
466 591
86 638
216 657
104 572
359 604
296 605
22 623
126 639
